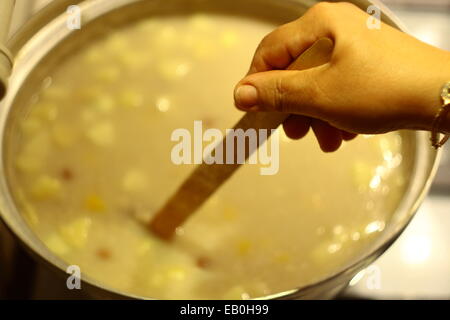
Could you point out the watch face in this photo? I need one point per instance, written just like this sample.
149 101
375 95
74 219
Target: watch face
446 93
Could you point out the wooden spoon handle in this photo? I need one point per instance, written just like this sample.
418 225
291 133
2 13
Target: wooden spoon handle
206 179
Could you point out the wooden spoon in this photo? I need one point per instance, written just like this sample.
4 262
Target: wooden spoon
206 179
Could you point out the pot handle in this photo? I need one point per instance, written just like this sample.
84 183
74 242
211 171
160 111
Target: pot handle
6 61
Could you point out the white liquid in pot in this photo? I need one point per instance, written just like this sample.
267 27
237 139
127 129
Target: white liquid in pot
94 160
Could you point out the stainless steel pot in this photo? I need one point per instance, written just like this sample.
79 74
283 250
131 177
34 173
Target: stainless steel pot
45 39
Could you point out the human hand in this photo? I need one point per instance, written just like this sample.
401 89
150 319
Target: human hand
378 80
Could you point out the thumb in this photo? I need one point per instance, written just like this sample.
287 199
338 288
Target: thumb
288 91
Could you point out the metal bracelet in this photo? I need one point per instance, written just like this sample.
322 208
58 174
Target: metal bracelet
440 118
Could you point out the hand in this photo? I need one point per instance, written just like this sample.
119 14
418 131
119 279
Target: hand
378 80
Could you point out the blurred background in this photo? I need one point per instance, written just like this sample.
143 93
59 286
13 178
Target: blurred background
417 266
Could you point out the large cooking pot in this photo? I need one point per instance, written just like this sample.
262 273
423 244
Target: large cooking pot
46 36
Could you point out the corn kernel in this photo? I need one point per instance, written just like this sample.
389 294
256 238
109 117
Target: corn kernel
244 247
94 203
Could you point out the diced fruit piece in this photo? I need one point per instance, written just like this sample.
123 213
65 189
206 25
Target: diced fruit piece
283 258
163 104
134 181
30 125
362 174
46 187
38 146
230 213
63 135
103 103
176 273
45 111
57 245
157 280
55 93
108 74
28 164
76 232
102 134
144 247
131 99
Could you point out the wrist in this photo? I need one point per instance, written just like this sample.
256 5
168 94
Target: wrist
429 98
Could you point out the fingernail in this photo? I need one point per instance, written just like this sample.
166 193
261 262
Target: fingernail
246 96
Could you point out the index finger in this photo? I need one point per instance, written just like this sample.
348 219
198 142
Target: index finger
282 46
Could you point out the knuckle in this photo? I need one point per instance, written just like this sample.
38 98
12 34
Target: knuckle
279 97
322 8
330 9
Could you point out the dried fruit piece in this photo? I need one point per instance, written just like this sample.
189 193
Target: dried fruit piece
104 254
66 174
203 262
